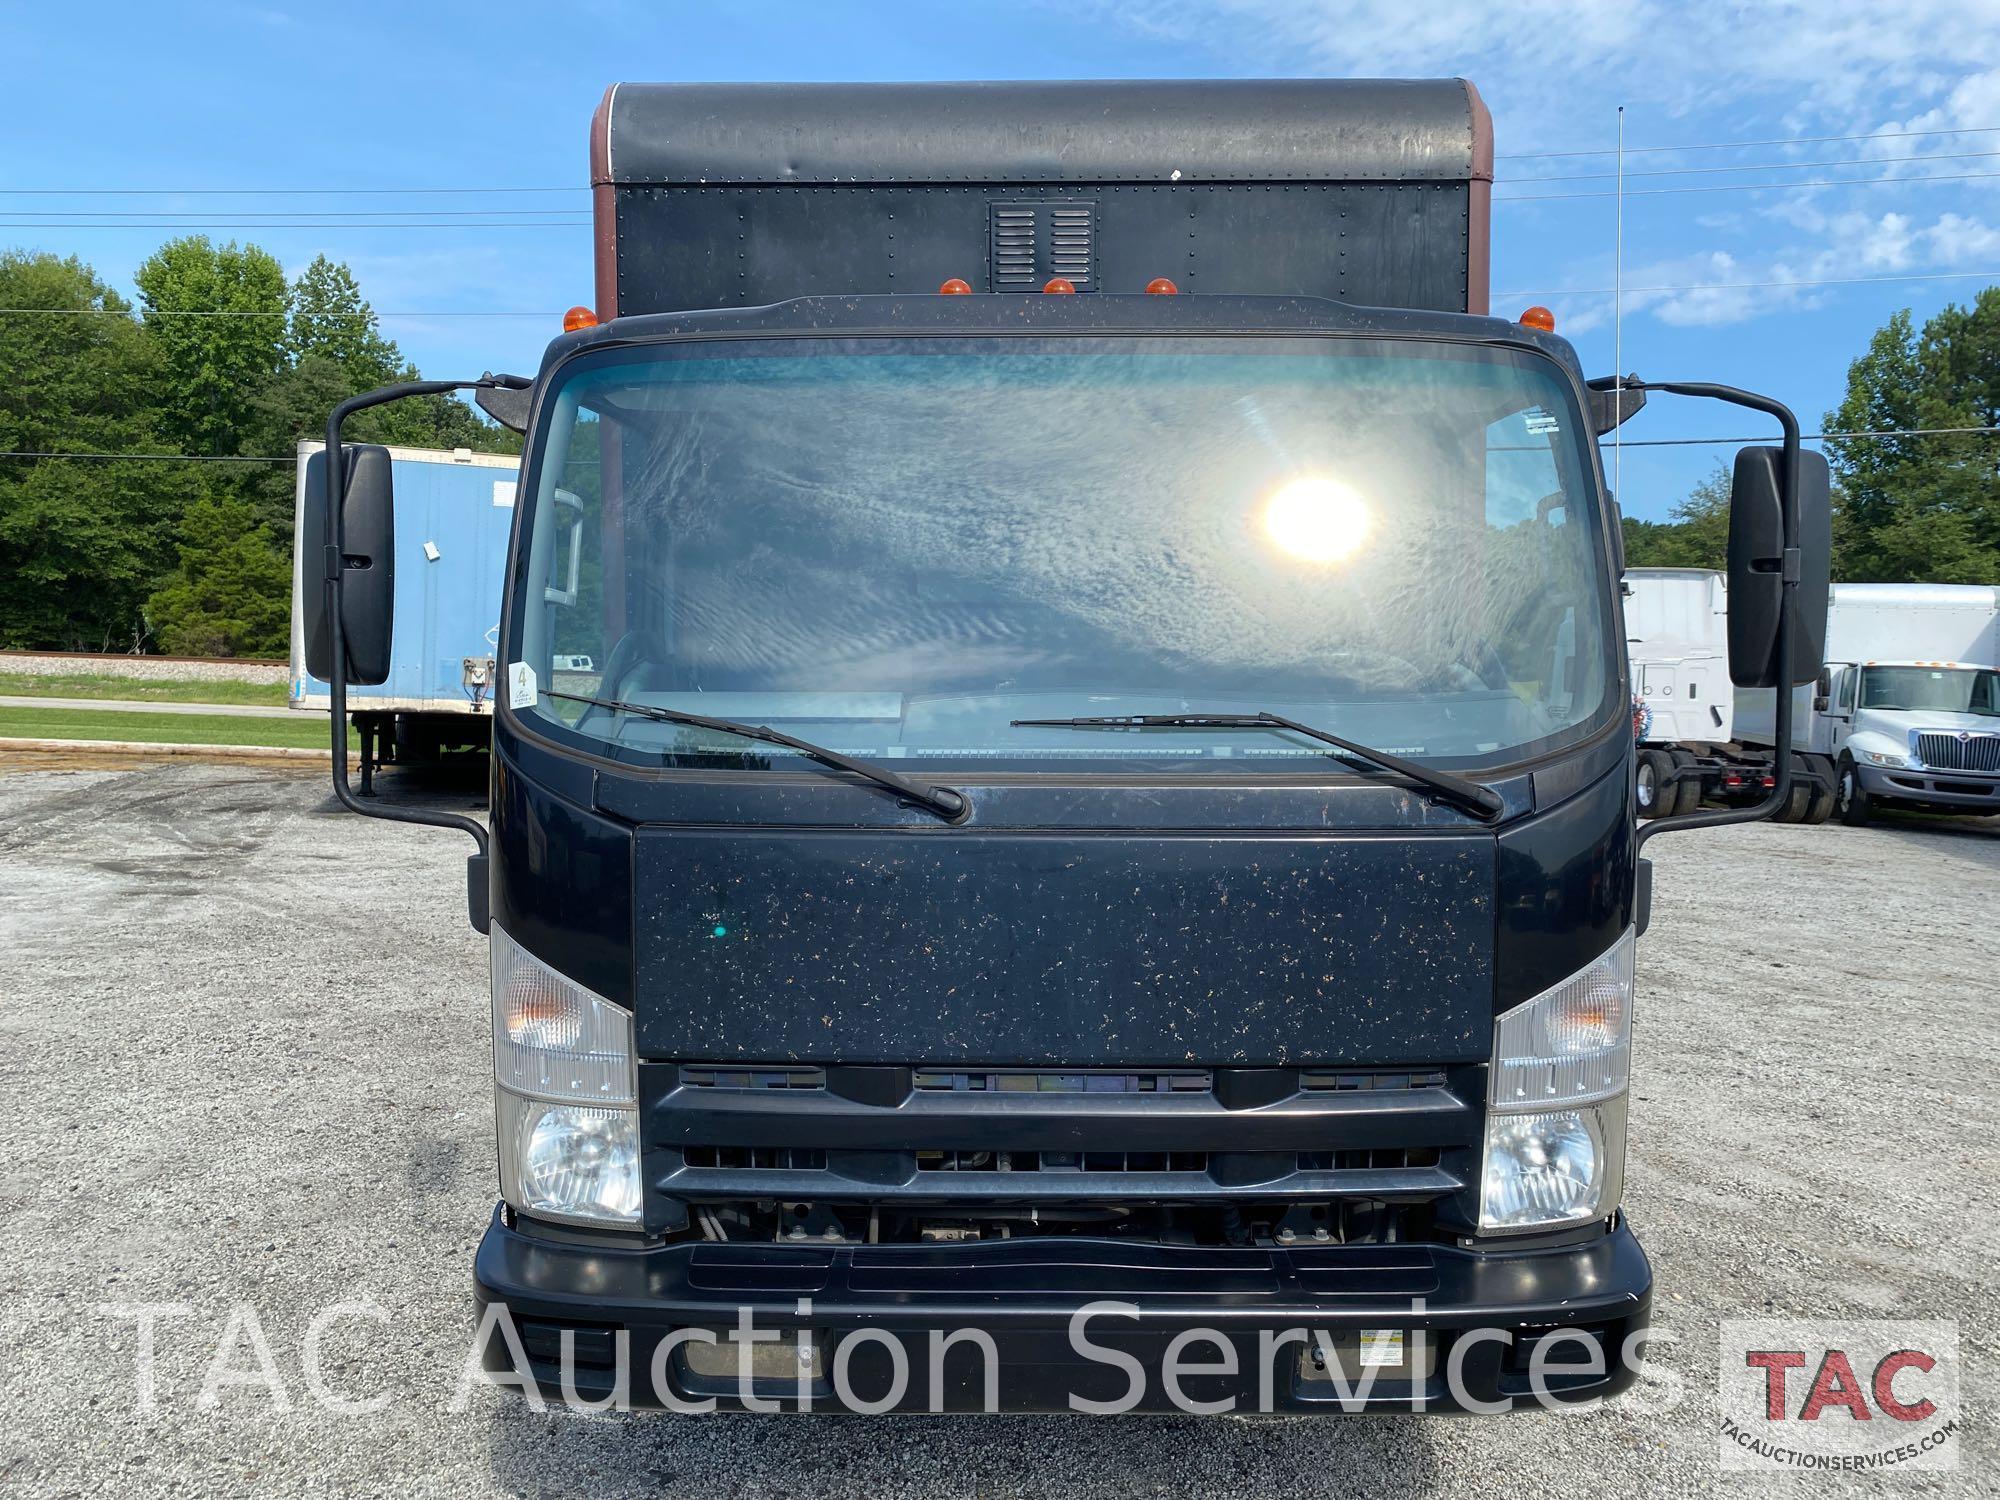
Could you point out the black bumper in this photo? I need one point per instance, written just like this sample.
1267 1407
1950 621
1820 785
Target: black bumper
1482 1313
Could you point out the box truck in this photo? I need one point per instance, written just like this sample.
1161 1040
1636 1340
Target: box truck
1098 837
454 510
1906 708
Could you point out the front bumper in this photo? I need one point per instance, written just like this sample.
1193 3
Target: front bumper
1966 789
1482 1314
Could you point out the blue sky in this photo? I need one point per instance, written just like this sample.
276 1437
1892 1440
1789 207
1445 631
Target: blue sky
412 96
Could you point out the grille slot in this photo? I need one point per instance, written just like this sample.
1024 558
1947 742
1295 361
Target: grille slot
1029 242
757 1158
1379 1159
1026 1081
1324 1080
1943 750
1062 1161
710 1076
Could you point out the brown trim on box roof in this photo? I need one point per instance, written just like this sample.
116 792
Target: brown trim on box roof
604 209
1479 207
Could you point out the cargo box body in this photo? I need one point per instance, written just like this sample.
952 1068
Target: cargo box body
725 195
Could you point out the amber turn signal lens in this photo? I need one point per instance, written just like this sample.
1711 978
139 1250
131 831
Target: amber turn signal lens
1160 286
1539 317
1059 284
578 317
956 287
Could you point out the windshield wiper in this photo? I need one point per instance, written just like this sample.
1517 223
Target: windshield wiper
1482 801
947 804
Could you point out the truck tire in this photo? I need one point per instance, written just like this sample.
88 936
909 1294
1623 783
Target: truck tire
1850 797
1650 789
1687 790
1797 803
1819 807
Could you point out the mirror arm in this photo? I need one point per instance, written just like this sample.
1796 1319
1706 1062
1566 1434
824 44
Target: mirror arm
334 580
1792 566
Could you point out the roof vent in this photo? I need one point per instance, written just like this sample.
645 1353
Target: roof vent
1032 241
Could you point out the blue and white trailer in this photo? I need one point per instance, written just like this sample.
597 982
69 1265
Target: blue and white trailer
453 510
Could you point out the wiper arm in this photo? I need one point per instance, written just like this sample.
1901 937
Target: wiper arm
1482 801
947 804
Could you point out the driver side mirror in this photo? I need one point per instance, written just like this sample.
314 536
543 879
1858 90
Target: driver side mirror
368 565
1756 568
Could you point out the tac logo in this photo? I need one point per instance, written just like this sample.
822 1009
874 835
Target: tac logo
1848 1395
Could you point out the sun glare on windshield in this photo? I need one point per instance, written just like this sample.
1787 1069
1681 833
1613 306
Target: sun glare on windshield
1317 520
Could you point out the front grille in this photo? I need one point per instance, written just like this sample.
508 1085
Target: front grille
1945 750
888 1135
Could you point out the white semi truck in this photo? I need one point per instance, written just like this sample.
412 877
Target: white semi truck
1907 708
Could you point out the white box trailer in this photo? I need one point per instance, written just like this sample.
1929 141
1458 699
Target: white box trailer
1684 704
1907 707
1677 638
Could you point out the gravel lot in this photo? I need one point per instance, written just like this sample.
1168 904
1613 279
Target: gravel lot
244 1039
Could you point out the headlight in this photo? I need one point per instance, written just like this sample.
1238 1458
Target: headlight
1551 1168
1883 758
568 1088
1555 1128
566 1161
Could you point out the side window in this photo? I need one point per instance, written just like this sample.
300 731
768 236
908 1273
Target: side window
1849 678
1537 565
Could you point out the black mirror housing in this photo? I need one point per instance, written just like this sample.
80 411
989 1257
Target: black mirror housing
368 561
1756 568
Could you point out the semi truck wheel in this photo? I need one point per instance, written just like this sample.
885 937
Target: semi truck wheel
1687 790
1850 797
1650 787
1819 807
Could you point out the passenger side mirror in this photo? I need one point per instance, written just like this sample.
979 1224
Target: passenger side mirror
368 564
1756 568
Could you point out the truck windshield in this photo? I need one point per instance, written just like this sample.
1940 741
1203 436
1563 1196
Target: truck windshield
1951 690
897 548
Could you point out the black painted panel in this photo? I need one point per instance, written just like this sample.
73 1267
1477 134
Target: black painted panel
1061 948
1372 243
1566 887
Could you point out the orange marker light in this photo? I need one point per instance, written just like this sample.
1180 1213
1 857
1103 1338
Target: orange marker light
1160 286
1059 284
578 317
1539 317
957 286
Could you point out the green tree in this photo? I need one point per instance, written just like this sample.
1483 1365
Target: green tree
81 541
1696 537
231 594
331 320
218 315
1922 509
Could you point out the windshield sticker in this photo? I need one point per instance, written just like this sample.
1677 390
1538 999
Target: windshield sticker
1540 423
521 689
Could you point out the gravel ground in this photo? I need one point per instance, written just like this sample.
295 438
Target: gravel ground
159 668
244 1039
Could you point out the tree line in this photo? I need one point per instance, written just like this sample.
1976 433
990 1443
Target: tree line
223 358
1918 509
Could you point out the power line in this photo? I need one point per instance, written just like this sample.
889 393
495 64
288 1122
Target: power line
1814 437
1810 437
301 224
1783 140
138 314
1760 166
1753 187
1739 286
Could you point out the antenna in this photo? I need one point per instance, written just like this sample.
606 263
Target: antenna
1618 329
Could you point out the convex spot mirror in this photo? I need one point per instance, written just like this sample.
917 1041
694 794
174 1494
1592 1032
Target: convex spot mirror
368 564
1756 568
